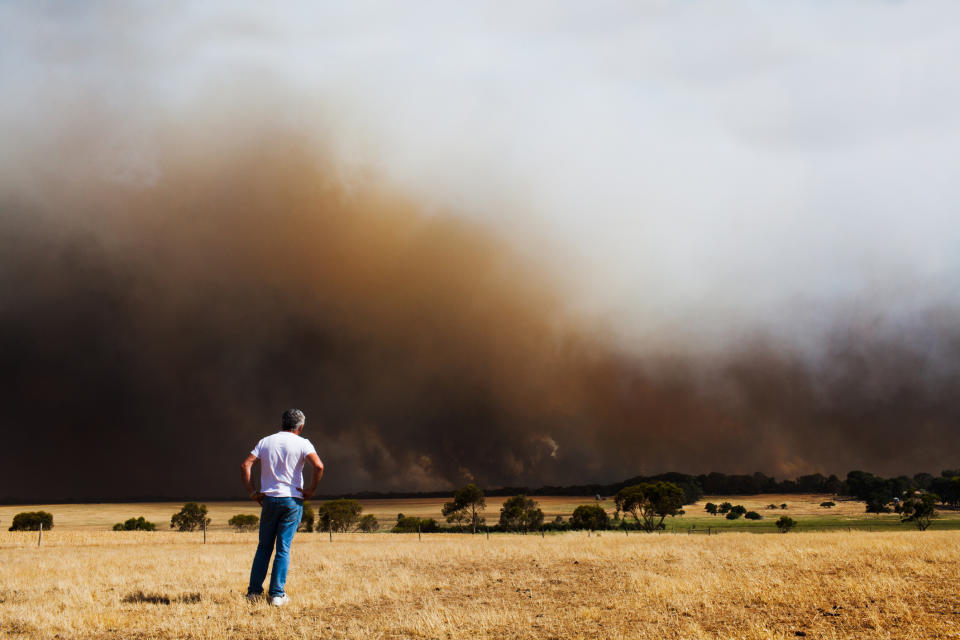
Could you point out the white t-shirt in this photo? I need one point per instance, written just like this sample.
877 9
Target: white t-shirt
281 463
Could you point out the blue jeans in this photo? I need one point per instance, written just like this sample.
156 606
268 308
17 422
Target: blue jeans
279 519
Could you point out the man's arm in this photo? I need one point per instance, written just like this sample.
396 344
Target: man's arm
245 468
314 459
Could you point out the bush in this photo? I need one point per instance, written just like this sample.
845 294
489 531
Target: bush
411 524
135 524
710 508
785 523
589 516
736 512
828 504
783 505
307 518
32 521
338 516
771 506
724 507
752 515
368 523
191 517
244 522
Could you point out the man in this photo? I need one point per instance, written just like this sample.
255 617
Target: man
282 456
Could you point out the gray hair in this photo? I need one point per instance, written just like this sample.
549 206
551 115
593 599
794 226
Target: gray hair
292 419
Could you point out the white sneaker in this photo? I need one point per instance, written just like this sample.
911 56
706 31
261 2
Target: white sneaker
279 601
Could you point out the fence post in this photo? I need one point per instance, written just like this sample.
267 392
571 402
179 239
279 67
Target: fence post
204 530
541 533
418 531
40 535
708 530
330 531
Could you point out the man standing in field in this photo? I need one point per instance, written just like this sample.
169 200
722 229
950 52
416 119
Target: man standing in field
282 456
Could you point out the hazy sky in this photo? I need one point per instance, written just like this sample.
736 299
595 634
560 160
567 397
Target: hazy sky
767 191
735 160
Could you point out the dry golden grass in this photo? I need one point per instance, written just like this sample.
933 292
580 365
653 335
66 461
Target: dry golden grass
98 584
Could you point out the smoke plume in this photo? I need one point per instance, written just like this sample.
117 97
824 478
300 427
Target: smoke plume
152 330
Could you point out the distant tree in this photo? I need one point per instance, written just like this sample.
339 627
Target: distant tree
724 507
783 505
191 517
589 516
520 513
32 521
650 503
736 512
135 524
710 508
411 524
918 509
771 506
558 520
752 515
307 518
338 516
828 504
785 523
244 522
878 504
467 505
368 523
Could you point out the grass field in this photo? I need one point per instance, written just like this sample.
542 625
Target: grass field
86 583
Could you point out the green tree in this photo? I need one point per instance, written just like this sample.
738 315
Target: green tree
785 523
828 504
338 516
191 517
752 515
650 502
412 524
307 518
368 523
467 505
520 513
244 522
589 516
724 507
32 521
918 509
736 512
710 508
135 524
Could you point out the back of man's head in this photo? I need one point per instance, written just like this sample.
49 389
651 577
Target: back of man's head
292 419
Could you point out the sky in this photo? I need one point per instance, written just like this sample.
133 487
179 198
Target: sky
601 240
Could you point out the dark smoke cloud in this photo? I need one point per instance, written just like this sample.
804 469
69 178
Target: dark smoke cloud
153 329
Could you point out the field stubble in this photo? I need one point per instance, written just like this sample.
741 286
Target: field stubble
93 584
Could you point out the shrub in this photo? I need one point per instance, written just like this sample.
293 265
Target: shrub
190 517
828 504
710 508
752 515
724 507
411 524
589 516
32 521
736 512
135 524
368 523
785 523
244 522
783 505
307 518
771 506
